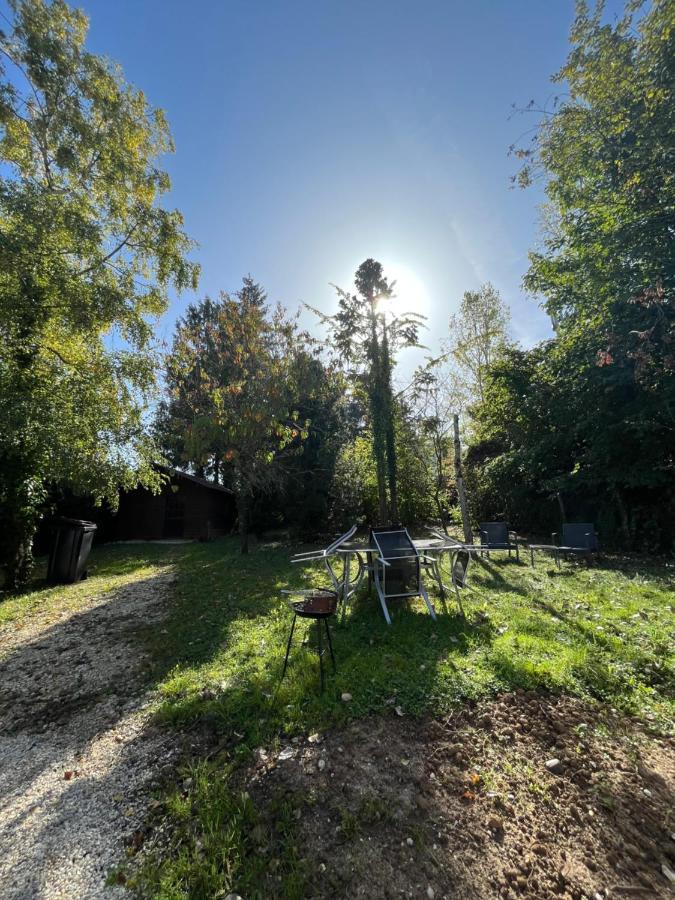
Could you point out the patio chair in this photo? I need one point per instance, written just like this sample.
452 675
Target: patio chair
460 557
397 569
496 536
577 537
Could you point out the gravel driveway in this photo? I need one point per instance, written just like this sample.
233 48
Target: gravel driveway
78 753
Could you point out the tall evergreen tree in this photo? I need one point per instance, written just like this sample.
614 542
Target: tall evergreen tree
367 338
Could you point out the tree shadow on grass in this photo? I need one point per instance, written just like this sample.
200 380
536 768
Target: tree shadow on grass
496 576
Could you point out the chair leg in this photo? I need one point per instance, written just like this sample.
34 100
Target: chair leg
459 601
383 602
288 647
330 645
318 630
430 606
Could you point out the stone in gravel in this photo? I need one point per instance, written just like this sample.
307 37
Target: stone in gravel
286 753
346 697
495 823
322 764
554 765
668 872
409 842
431 893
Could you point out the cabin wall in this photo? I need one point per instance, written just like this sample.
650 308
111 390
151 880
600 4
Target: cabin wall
183 509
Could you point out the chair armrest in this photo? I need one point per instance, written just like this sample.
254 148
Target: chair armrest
554 537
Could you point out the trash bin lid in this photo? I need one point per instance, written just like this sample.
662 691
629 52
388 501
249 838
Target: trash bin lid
81 523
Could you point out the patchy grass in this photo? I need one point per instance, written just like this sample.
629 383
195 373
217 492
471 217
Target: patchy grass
603 633
110 567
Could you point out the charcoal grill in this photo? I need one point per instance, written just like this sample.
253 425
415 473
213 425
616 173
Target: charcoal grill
396 567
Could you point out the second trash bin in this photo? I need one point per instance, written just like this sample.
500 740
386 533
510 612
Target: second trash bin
68 558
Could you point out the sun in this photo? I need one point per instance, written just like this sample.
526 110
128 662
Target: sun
410 293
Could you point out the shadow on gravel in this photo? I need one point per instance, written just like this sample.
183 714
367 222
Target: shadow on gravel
76 748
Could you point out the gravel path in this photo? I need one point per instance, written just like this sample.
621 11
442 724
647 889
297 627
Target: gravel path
78 754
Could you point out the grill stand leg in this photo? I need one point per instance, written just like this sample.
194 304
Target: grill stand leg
330 645
318 630
288 647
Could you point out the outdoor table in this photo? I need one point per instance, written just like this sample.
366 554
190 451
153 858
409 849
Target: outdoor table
546 548
429 548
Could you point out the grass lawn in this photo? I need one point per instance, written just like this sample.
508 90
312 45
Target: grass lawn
602 633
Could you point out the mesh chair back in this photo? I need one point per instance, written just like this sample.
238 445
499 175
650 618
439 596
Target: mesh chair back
494 534
401 577
580 534
460 567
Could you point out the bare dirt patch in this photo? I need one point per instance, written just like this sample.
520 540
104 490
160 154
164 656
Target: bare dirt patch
469 808
78 753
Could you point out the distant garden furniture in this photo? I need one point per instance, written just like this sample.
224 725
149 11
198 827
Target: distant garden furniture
319 605
544 548
577 537
496 536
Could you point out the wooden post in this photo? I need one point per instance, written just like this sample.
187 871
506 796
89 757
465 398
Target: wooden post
468 536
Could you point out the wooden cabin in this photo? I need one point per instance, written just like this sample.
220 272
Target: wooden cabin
187 507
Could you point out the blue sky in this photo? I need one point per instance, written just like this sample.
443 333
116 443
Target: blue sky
311 135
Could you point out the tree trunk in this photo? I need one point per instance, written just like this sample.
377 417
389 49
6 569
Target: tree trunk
390 428
18 556
562 507
468 536
242 514
378 419
623 516
379 452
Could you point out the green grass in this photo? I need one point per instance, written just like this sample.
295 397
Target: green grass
110 568
602 633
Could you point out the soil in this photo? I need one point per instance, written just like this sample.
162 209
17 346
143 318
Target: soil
468 808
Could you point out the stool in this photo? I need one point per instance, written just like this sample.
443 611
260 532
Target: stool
320 606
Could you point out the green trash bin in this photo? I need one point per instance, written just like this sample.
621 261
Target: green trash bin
72 543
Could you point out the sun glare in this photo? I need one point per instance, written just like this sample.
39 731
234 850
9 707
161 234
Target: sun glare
410 293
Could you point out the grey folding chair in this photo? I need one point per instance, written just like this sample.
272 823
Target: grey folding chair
577 537
497 536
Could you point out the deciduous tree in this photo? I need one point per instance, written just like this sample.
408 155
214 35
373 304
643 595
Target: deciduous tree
87 254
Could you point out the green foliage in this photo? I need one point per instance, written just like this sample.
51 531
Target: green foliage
87 254
478 336
305 496
367 340
589 417
231 383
